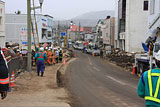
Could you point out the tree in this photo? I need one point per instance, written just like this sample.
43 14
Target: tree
18 12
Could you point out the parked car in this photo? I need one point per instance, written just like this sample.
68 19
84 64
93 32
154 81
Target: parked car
89 50
80 46
96 52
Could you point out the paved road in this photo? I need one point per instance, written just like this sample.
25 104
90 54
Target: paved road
98 83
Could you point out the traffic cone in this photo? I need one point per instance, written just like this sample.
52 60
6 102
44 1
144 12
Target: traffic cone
133 69
75 55
64 62
12 80
34 62
93 54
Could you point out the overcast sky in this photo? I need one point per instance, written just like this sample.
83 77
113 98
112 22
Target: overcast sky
63 9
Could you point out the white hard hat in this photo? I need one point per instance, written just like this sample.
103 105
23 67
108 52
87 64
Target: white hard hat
46 48
157 56
41 49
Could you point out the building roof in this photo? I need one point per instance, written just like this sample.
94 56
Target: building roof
75 28
88 29
48 16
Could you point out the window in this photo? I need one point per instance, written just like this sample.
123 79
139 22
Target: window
152 6
49 34
145 6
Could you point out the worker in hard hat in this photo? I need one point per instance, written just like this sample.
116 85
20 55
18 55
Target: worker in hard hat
4 78
57 56
49 55
60 55
54 56
41 57
46 51
149 83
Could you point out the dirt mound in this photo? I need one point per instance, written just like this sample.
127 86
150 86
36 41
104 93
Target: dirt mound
122 59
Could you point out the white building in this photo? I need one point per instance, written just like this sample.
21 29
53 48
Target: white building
2 24
89 37
132 22
49 28
108 31
16 29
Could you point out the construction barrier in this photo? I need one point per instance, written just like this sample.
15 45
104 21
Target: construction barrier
93 54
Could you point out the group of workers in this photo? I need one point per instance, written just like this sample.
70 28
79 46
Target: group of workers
41 57
47 56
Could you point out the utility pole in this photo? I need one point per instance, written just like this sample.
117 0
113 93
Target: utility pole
79 30
29 53
58 33
29 35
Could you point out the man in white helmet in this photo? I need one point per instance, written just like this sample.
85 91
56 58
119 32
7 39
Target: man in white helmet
149 85
41 57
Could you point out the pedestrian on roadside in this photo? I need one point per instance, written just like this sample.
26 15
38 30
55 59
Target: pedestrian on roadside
41 57
4 78
60 55
101 53
57 56
149 85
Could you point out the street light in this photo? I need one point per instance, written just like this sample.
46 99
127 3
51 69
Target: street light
29 53
41 2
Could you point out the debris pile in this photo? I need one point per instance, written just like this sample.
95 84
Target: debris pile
122 58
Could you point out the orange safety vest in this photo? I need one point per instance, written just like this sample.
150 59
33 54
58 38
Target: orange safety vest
4 81
41 55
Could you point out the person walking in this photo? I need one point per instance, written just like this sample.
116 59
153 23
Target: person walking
60 55
149 85
49 55
41 57
57 56
4 78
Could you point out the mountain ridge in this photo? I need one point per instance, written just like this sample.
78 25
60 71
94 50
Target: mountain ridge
89 18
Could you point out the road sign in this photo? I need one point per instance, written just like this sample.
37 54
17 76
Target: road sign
63 33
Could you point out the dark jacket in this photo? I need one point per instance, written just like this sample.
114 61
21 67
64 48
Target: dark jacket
3 73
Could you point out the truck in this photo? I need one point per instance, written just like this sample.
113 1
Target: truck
146 60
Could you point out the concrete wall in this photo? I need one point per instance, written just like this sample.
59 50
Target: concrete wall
14 25
2 24
136 25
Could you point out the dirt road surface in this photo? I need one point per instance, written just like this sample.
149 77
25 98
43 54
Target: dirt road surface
35 91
